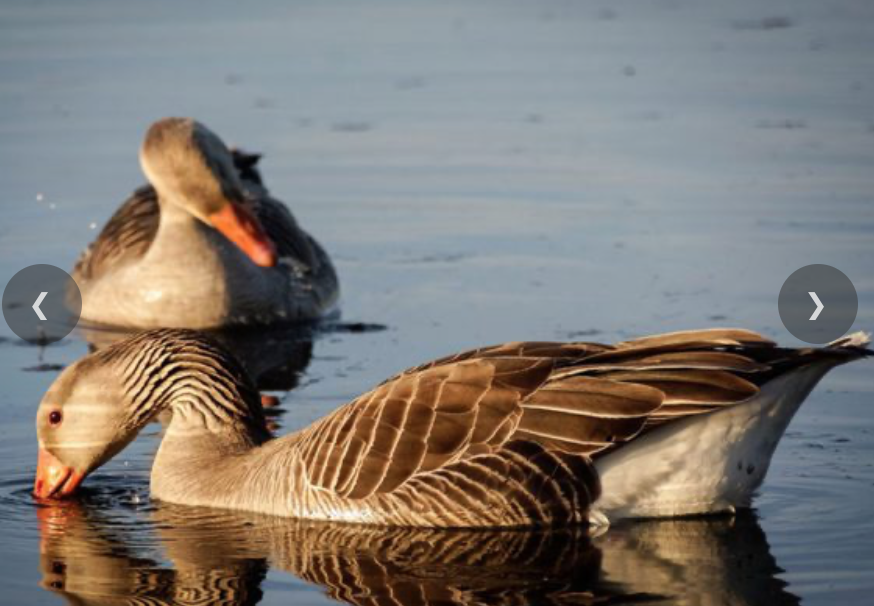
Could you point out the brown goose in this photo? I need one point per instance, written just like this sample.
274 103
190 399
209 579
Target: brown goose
510 435
204 246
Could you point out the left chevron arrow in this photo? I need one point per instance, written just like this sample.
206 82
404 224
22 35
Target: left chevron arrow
36 308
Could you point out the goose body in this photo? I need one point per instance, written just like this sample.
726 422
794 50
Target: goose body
203 246
511 435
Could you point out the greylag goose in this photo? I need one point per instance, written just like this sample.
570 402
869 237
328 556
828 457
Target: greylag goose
516 434
204 246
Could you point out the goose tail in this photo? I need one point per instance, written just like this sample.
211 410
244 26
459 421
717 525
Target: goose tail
858 340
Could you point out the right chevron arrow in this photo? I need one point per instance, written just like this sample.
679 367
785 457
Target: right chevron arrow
819 305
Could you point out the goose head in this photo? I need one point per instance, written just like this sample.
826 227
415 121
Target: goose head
191 167
98 405
81 423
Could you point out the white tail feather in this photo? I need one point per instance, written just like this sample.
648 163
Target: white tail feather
856 339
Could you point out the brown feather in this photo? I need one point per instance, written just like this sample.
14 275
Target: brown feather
506 434
716 360
597 397
716 336
713 387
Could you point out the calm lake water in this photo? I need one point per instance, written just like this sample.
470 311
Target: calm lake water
509 170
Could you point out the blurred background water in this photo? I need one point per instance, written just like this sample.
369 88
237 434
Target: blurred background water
480 172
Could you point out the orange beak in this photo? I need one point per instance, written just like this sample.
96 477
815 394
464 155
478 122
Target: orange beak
53 479
242 228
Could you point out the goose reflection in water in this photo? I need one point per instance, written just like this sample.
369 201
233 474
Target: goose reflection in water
219 557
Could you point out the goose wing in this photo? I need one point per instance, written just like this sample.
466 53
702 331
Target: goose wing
418 423
126 236
434 418
290 240
508 434
575 398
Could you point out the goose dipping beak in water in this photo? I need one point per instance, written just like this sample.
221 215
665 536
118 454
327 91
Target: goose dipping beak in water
53 478
519 434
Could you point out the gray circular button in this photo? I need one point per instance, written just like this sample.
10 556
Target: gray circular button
818 303
42 304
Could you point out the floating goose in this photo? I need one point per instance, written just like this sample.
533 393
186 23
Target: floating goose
511 435
204 246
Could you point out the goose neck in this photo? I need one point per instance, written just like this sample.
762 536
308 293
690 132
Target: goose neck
204 387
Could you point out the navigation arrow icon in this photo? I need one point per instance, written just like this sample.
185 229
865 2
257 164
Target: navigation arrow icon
51 294
828 322
819 305
39 299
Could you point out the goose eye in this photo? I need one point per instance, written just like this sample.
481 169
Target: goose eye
55 417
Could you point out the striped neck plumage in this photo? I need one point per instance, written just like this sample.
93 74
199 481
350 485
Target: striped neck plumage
189 374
